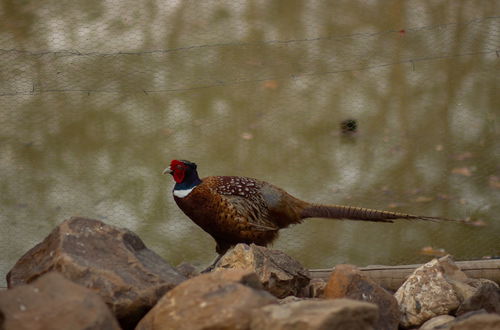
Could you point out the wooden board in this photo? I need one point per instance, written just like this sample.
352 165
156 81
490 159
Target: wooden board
391 277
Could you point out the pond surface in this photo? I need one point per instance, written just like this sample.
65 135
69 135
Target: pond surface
96 98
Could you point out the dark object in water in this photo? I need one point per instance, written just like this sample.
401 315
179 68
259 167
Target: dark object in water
349 126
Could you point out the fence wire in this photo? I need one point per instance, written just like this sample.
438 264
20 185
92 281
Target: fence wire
96 97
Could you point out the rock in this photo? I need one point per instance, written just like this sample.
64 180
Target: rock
280 274
53 302
427 293
245 277
315 288
475 321
218 300
439 287
436 322
113 262
187 269
347 281
342 314
290 299
485 296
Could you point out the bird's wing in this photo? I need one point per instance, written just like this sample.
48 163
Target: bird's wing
253 211
244 194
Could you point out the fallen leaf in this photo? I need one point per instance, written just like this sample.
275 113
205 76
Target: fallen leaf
435 252
167 131
270 84
385 189
444 196
423 199
476 223
246 136
335 190
465 171
463 155
415 191
439 147
494 182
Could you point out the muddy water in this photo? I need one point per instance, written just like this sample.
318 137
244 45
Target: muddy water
96 99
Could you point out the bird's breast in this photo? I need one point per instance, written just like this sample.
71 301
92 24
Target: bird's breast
199 204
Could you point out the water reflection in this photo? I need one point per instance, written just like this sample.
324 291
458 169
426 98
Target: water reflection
96 100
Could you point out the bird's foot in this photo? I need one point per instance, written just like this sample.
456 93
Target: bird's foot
212 266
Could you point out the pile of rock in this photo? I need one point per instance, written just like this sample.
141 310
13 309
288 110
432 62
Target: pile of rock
89 275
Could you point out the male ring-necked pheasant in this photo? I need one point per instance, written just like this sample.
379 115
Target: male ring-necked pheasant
234 209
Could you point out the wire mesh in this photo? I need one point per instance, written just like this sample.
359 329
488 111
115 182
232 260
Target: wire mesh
96 97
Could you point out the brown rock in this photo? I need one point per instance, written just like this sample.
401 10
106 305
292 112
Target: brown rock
486 296
475 321
342 314
315 288
347 281
53 302
280 274
437 322
242 276
220 300
187 269
290 299
112 261
427 292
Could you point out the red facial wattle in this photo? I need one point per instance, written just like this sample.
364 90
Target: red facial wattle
179 175
178 169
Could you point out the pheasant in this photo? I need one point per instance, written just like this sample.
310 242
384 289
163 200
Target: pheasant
234 209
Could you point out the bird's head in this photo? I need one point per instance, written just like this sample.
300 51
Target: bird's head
181 170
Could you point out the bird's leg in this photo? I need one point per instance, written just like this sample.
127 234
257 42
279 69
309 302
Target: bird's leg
221 248
212 266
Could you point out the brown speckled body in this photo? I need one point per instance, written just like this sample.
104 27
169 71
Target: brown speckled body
236 209
240 210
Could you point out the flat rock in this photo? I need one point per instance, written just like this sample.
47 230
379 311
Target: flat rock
428 293
53 302
280 274
347 281
437 322
342 314
218 300
486 295
475 321
113 262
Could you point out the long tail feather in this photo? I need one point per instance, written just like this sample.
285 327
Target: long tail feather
359 213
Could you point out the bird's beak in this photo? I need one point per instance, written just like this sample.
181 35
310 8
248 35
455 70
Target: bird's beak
167 171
